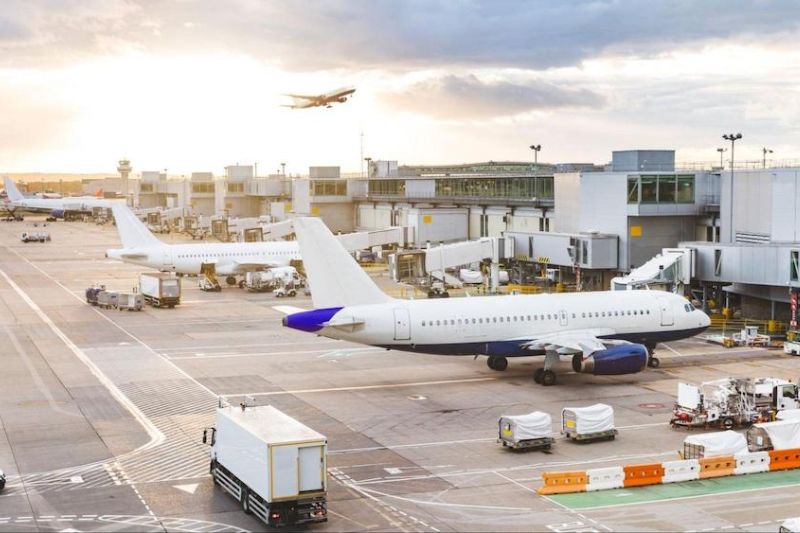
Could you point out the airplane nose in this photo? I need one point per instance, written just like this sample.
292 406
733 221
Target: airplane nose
706 320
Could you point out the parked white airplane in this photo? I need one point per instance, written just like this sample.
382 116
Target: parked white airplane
302 101
141 247
55 206
607 333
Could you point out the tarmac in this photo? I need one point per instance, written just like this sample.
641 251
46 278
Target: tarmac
102 413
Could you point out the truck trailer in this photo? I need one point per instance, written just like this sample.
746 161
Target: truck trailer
160 289
272 464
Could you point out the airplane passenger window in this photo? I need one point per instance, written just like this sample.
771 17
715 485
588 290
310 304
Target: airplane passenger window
423 323
452 322
473 320
573 315
529 318
603 313
480 321
438 323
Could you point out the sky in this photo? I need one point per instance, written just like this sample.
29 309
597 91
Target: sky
195 85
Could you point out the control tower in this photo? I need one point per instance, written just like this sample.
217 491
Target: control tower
124 169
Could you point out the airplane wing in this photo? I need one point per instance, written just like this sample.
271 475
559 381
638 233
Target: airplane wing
586 341
303 96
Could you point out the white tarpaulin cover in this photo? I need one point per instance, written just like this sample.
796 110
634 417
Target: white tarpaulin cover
536 425
790 524
592 419
788 414
783 434
720 443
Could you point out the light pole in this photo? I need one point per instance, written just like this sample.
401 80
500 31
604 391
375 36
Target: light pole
283 169
368 160
536 148
721 151
765 151
732 137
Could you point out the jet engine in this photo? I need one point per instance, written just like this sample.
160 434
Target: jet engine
614 361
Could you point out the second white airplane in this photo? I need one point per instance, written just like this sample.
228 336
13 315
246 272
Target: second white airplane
141 247
605 333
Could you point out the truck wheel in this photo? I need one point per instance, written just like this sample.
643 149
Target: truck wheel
246 501
728 423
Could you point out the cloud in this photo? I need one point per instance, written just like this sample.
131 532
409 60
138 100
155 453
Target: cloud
455 97
366 34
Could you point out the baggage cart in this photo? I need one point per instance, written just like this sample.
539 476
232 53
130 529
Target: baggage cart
531 431
595 422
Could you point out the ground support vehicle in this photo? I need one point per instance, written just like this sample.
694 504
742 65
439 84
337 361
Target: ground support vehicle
92 294
791 347
595 422
730 402
2 480
285 289
160 289
274 465
531 431
35 236
207 279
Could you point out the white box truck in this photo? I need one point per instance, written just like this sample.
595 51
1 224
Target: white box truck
160 289
274 465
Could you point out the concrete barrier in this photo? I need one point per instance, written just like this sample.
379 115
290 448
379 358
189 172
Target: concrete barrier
612 477
684 470
563 482
644 474
784 459
751 463
719 466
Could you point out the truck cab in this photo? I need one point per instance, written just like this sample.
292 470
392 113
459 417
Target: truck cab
785 396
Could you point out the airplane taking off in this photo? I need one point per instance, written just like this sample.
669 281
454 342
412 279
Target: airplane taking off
141 247
55 206
606 333
325 99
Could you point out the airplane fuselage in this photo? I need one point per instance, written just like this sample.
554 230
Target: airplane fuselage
228 258
502 325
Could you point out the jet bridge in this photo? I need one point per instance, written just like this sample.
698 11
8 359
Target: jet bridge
444 256
672 268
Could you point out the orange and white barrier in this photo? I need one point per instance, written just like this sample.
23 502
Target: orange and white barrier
641 475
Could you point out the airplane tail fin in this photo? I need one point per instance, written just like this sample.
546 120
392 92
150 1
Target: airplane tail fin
133 233
335 279
11 190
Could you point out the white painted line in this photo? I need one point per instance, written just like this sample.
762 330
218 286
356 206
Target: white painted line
156 437
200 356
363 387
288 309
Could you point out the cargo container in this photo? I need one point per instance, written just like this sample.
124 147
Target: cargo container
160 289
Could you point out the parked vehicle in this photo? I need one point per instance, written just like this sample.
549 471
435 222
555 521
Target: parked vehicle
160 289
531 431
595 422
92 294
274 465
2 480
35 236
731 402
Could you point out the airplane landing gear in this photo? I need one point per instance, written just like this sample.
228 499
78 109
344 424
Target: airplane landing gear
652 360
545 375
497 362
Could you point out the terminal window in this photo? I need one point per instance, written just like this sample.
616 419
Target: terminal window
203 187
329 187
236 187
660 189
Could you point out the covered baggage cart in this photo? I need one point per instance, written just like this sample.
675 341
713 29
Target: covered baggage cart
534 430
779 435
594 422
714 444
788 414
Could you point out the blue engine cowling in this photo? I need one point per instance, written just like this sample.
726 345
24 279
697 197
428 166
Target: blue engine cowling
57 213
617 360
